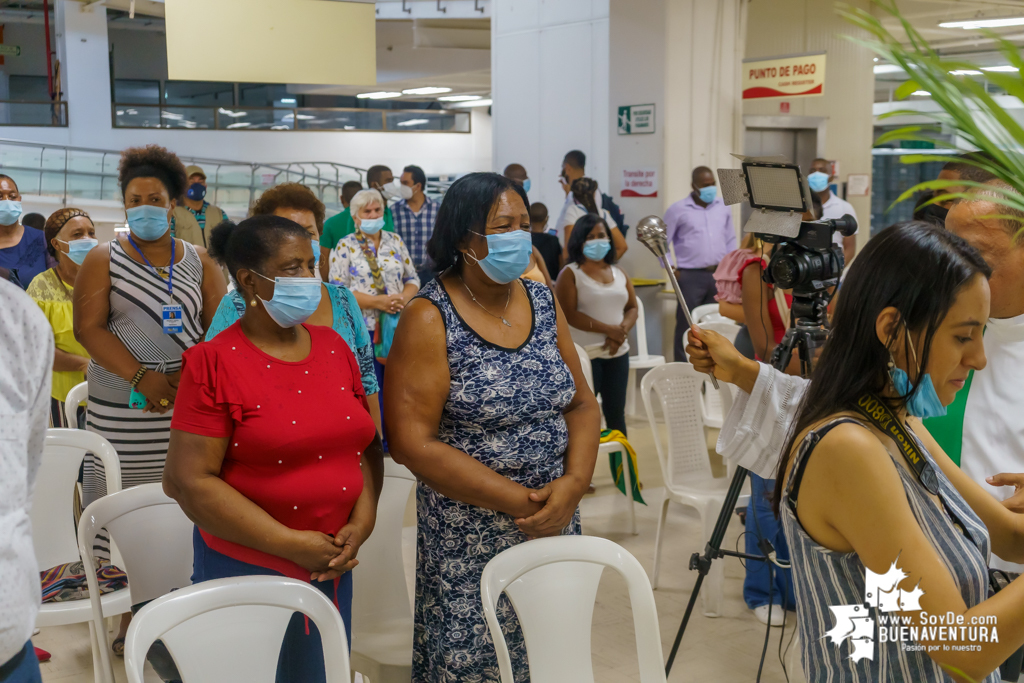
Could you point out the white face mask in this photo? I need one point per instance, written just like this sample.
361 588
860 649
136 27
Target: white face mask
404 191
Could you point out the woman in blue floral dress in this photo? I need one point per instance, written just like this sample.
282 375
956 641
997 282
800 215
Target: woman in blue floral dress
497 422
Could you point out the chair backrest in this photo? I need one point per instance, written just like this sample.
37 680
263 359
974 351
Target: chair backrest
231 629
725 327
53 521
641 329
552 584
702 312
588 371
380 593
152 534
78 394
683 454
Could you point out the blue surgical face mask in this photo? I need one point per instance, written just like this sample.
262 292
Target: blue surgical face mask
596 250
294 300
371 226
10 212
316 250
77 249
924 402
508 255
818 181
526 185
148 222
708 193
196 191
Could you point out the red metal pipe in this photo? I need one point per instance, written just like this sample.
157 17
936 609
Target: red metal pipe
49 63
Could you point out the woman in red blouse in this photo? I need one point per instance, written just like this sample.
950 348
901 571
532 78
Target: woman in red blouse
272 440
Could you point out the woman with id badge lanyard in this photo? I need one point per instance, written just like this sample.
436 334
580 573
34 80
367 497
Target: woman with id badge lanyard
140 301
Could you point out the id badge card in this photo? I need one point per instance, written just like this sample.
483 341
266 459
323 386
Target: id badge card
172 319
136 399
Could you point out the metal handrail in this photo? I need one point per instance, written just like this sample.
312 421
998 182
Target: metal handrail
279 168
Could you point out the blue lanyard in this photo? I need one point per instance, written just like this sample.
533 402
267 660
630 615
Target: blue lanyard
170 271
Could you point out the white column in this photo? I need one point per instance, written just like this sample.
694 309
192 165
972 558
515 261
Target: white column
85 71
549 66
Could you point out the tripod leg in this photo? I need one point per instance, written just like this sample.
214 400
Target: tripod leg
658 538
712 596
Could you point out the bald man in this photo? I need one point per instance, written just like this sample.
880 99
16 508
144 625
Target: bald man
517 174
700 230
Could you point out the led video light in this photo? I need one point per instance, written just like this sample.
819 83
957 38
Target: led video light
775 187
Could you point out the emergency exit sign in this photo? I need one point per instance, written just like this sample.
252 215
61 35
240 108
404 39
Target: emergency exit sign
11 50
636 118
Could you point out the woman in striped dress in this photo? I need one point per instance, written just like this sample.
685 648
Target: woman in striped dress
885 532
139 302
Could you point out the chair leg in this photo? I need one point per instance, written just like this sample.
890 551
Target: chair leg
711 595
657 542
627 478
631 393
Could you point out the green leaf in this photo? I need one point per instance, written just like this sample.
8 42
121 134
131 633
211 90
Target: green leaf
906 89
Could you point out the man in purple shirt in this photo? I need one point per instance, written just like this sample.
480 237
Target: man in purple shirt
700 231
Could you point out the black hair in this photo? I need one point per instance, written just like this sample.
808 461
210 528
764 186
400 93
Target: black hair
152 161
576 159
584 225
349 189
968 170
583 190
697 171
418 176
250 243
538 212
34 220
465 208
916 267
374 173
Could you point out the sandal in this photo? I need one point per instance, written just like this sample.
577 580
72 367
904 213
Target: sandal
117 647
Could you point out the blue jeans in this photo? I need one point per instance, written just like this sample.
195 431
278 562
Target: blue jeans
27 670
302 654
761 521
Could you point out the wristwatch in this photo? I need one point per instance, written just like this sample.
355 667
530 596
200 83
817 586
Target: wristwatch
138 376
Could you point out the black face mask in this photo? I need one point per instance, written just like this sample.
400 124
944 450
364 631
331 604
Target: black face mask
936 213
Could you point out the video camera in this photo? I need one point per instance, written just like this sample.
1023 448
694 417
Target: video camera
805 259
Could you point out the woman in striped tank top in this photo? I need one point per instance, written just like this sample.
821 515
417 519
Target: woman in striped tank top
906 333
139 302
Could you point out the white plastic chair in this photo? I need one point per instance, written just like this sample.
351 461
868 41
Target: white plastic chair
78 394
705 312
381 613
53 531
552 584
231 629
154 538
685 464
606 448
642 360
712 409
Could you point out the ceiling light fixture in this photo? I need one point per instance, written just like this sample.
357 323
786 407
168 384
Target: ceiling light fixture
1004 67
981 22
887 69
380 95
425 91
474 103
459 98
240 124
413 122
964 72
921 93
288 100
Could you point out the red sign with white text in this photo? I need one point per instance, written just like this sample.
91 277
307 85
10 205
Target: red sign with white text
798 76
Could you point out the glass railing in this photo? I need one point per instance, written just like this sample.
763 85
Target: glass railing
16 113
74 173
301 118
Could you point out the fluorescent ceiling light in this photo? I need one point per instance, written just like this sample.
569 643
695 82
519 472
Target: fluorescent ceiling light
413 122
381 95
232 114
240 124
459 98
474 103
921 93
995 22
1004 67
887 68
288 100
425 91
965 72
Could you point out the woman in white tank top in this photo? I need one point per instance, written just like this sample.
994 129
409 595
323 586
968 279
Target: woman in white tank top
598 301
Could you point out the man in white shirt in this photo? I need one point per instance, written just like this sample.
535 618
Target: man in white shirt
982 431
832 206
25 367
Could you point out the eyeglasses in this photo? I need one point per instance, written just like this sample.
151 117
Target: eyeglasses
502 230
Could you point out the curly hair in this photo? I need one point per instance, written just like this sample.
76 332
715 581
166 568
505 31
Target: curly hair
57 220
290 196
152 161
583 190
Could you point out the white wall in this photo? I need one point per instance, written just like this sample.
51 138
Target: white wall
87 84
549 71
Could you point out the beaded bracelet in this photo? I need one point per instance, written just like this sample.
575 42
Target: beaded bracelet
138 376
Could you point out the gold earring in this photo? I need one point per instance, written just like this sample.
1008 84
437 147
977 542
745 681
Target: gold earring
253 302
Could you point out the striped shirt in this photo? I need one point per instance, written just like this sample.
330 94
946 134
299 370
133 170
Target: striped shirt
415 228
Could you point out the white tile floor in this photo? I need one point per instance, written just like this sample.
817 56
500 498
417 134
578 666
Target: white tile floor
727 648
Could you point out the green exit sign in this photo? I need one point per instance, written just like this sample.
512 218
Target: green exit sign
10 50
636 118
